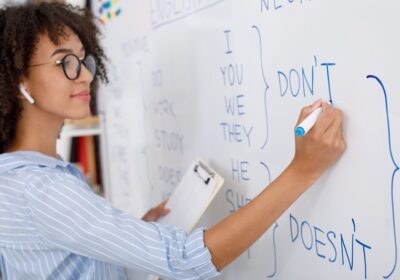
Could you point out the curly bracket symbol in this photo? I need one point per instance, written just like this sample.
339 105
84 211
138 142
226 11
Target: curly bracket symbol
274 238
393 174
275 225
266 87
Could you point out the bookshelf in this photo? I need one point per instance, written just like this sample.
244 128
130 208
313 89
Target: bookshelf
83 142
86 127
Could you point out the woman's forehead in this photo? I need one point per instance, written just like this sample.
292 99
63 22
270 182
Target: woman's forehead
46 46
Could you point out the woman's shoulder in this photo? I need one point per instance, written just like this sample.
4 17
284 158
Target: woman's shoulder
28 166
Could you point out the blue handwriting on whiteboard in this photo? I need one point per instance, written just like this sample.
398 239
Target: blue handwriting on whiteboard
396 168
275 227
297 80
319 239
164 12
240 173
266 87
169 175
274 5
232 75
169 140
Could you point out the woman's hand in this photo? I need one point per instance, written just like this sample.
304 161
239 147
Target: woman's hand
322 145
155 213
315 152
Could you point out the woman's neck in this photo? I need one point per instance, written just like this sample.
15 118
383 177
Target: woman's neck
38 133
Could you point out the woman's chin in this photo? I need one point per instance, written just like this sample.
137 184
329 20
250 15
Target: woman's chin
80 116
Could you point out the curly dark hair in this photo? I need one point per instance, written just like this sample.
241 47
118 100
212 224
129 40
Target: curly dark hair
20 27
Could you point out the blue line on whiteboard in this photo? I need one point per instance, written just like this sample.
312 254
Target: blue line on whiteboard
393 174
268 171
156 26
261 55
275 226
274 235
266 87
329 80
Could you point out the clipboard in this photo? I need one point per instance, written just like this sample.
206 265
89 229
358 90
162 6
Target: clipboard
192 196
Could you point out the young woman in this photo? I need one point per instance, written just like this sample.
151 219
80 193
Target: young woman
51 224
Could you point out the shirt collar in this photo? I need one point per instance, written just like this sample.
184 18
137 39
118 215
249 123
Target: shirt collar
17 159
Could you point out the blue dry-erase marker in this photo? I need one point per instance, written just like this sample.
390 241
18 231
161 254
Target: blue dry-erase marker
307 123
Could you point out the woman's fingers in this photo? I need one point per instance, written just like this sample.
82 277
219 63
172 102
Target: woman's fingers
335 128
306 111
157 212
323 144
324 120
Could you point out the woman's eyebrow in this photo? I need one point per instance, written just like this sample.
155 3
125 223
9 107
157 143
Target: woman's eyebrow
57 51
63 50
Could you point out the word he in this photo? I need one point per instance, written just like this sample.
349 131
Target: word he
169 141
298 81
329 245
267 5
240 170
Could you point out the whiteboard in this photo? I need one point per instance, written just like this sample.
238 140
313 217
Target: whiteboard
224 80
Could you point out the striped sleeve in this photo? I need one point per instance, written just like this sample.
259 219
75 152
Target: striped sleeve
70 217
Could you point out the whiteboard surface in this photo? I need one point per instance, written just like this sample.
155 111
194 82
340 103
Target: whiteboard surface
225 81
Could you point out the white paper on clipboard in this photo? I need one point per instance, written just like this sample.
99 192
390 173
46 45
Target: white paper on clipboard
192 196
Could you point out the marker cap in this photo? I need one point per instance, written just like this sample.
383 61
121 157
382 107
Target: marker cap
299 131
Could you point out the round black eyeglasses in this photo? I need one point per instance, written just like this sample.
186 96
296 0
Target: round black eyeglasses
71 65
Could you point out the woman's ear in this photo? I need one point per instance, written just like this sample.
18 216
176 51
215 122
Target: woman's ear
25 93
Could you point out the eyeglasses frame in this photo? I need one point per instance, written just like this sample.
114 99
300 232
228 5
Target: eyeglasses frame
61 61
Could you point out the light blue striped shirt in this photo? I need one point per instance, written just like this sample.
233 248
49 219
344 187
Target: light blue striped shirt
52 226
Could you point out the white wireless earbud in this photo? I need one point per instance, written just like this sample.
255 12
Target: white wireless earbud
25 93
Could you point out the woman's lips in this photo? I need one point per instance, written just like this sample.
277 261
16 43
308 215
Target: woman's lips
84 95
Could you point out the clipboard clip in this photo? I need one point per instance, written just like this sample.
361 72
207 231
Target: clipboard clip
209 173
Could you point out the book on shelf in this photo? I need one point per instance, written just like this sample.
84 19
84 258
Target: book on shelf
84 150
